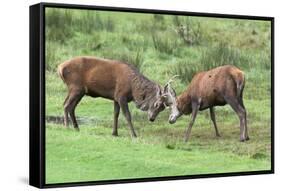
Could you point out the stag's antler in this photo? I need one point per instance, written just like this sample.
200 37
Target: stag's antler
171 80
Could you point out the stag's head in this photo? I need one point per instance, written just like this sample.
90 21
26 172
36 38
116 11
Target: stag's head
156 105
165 97
169 98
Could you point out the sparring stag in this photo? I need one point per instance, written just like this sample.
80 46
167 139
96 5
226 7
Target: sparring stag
109 79
216 87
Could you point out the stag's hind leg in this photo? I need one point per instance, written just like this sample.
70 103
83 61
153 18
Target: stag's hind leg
70 104
65 119
240 100
213 118
241 112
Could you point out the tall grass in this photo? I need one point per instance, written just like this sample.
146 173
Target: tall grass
223 54
63 24
135 42
185 71
59 24
152 23
220 55
134 58
164 42
91 22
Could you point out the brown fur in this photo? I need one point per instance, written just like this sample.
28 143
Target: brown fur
216 87
109 79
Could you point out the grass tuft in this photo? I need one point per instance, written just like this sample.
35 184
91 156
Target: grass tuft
164 43
185 71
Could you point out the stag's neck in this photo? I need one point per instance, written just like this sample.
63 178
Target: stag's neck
184 103
143 91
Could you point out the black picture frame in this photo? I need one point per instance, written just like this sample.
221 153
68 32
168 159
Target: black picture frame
37 94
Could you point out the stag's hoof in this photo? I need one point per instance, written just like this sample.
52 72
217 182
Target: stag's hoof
243 139
115 134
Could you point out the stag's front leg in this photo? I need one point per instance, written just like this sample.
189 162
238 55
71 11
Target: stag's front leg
125 109
195 108
116 115
213 118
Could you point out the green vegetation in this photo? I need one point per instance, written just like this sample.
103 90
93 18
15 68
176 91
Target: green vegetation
160 46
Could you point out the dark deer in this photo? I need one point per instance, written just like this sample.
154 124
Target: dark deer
216 87
112 80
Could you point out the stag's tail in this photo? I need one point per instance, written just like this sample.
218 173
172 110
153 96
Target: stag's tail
238 77
60 72
240 83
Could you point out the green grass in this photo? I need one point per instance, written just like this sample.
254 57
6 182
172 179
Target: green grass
93 154
154 45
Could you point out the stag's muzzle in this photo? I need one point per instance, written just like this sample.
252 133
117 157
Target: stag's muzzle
151 119
172 119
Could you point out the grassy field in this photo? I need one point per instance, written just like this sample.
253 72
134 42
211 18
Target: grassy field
160 46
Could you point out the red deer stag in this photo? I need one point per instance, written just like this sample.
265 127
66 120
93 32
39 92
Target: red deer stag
112 80
216 87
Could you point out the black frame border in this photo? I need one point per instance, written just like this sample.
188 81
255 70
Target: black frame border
37 94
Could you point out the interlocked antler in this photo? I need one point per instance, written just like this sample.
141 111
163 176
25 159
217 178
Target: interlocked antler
171 80
167 91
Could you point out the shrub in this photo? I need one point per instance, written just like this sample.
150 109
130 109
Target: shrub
188 30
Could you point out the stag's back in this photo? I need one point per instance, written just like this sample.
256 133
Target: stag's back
97 77
214 84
